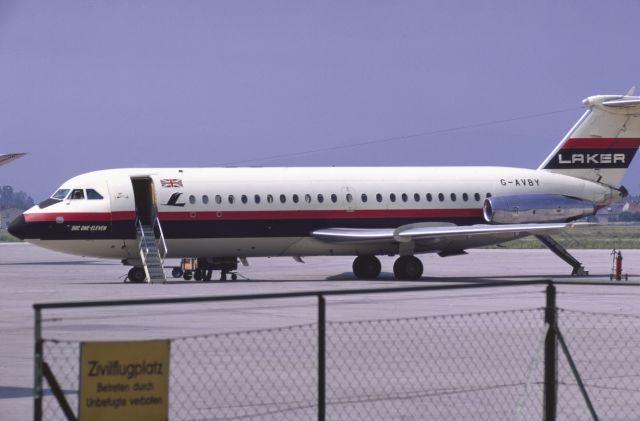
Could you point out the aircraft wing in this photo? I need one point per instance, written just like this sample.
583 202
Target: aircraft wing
417 232
6 158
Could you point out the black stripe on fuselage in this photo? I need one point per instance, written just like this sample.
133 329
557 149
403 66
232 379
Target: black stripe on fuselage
197 229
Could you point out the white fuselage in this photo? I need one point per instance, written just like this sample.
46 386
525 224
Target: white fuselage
244 212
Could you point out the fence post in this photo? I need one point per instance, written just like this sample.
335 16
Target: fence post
37 365
321 357
550 356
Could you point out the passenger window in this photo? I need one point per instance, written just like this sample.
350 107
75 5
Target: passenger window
349 197
93 195
429 197
283 198
205 199
416 197
77 194
363 197
392 197
256 198
453 197
441 197
243 198
320 198
488 195
218 199
231 199
307 198
405 197
192 199
269 198
295 198
465 197
334 198
476 196
379 197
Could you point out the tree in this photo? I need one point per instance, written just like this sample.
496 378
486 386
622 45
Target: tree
9 198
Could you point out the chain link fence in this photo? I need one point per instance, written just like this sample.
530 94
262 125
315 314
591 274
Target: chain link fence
479 366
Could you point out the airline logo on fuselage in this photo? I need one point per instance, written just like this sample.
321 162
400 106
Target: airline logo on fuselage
173 200
570 158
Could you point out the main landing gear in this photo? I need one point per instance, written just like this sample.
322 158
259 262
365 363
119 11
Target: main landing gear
405 268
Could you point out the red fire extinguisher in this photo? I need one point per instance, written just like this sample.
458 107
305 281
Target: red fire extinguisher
616 270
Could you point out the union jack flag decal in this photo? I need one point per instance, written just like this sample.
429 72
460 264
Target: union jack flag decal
171 182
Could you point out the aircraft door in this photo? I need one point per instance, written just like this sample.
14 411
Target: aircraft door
145 199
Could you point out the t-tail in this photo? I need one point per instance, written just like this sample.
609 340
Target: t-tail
602 144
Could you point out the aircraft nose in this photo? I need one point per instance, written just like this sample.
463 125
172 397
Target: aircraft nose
18 227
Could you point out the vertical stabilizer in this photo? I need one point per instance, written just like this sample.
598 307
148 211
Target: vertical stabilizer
602 144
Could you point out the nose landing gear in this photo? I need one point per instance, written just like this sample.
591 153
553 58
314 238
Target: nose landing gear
136 275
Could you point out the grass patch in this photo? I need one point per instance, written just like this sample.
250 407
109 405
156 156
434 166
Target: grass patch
619 236
8 238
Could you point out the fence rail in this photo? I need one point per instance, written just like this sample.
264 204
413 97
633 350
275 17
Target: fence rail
527 364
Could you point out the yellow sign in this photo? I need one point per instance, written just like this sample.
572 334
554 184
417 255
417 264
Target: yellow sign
124 381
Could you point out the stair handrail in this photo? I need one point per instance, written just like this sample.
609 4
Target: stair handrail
162 239
142 243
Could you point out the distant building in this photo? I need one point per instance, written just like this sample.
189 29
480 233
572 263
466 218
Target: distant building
631 207
8 215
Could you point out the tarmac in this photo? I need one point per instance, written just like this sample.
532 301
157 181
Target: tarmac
31 275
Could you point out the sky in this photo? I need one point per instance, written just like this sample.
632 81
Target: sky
88 84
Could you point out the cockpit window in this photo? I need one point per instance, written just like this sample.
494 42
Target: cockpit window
60 194
77 194
93 195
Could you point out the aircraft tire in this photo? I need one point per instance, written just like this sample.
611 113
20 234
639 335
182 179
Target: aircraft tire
187 275
366 267
408 268
177 272
198 275
136 275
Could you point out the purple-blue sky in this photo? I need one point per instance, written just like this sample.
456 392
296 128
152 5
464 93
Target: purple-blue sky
87 85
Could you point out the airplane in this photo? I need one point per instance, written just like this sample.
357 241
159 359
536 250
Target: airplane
221 215
6 158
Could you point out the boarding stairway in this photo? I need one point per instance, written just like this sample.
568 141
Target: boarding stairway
153 250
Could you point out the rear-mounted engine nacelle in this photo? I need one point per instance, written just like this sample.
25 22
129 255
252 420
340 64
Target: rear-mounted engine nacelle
535 208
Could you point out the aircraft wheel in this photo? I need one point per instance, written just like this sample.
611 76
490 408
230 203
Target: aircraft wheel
207 275
187 275
136 275
408 268
366 267
177 272
198 275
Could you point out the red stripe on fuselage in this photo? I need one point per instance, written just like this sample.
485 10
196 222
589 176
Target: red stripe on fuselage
80 216
602 143
262 215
